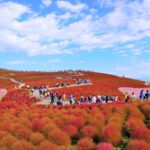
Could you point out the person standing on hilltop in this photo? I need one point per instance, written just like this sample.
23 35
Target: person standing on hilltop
142 96
126 98
52 98
133 97
147 95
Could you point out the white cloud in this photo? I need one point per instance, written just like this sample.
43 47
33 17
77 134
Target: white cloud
42 35
10 11
71 7
16 62
137 70
47 3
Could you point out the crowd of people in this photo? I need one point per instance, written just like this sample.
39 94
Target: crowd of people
82 81
57 98
143 96
93 99
58 84
62 84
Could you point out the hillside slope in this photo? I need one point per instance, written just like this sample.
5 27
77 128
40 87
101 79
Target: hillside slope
103 84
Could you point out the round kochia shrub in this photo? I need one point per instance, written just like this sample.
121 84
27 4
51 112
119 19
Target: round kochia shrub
23 133
46 145
138 145
89 131
146 109
48 128
141 133
59 137
85 144
112 134
78 122
22 145
36 138
8 141
71 130
105 146
37 124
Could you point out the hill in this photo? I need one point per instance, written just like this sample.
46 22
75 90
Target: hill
103 84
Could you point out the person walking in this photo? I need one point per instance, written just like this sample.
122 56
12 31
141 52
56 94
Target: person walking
147 95
133 97
142 96
126 98
52 98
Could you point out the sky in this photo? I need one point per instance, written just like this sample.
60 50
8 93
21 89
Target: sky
109 36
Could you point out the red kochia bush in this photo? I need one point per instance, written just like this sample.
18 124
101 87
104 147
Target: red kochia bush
137 145
141 133
37 124
146 109
105 146
48 128
36 138
89 131
8 141
59 137
23 133
22 145
46 145
71 130
78 122
111 134
85 144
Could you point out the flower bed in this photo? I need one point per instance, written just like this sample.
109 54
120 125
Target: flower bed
82 127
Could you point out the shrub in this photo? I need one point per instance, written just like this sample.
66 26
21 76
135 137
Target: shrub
111 134
97 124
89 131
141 133
46 145
3 134
59 137
85 144
8 141
36 138
146 109
137 145
22 145
78 122
71 130
133 123
37 124
24 133
105 146
48 128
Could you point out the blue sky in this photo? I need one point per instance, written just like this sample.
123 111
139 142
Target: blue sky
110 36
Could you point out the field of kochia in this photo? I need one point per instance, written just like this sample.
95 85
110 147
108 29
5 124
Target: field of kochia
116 126
75 127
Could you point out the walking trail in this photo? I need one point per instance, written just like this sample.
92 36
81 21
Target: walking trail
3 92
46 101
20 84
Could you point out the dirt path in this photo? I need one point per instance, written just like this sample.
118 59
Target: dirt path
3 92
20 84
46 101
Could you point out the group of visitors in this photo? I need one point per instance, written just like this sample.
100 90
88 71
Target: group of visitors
93 99
82 81
58 84
52 96
143 96
57 98
62 84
